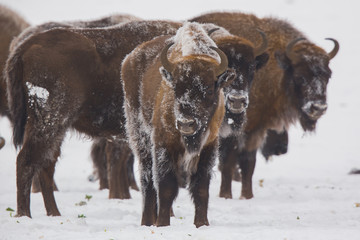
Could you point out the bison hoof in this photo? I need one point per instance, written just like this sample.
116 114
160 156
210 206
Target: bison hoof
225 195
163 223
2 142
201 223
249 196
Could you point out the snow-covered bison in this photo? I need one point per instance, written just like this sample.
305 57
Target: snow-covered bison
110 163
291 87
67 79
174 107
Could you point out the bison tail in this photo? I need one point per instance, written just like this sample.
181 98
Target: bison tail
16 96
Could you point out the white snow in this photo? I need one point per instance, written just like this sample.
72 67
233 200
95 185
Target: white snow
192 39
306 194
39 92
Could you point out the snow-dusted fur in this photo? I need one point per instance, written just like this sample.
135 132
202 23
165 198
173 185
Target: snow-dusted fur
115 19
160 101
97 23
291 87
80 71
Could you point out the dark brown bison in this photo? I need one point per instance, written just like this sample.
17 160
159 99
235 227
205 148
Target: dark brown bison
114 167
67 79
291 87
119 184
11 25
174 107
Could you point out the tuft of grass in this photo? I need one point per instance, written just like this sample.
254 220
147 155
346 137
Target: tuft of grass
81 216
10 210
88 197
81 203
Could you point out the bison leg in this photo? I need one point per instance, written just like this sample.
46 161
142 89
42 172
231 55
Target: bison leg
36 185
130 173
166 184
227 165
36 156
117 154
46 178
247 161
100 162
199 184
25 171
149 214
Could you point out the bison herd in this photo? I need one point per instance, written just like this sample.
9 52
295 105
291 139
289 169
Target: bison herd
173 96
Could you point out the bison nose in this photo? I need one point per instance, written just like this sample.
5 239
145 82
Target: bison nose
186 126
315 110
237 102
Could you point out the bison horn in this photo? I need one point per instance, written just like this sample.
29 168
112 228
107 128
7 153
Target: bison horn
164 59
212 30
335 49
289 49
223 61
262 48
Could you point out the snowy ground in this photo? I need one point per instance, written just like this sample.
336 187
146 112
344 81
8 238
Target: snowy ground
306 194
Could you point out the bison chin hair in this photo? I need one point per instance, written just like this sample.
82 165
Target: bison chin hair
236 121
194 143
307 124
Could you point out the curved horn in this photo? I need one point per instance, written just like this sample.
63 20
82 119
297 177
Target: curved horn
223 63
262 48
289 53
212 30
164 59
333 52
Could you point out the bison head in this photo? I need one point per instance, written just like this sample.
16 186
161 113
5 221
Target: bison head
307 73
196 86
244 59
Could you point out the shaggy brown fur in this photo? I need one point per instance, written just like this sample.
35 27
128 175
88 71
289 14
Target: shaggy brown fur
276 143
67 79
164 131
103 22
291 87
11 25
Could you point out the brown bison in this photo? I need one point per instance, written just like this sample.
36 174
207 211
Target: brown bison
11 25
67 79
291 87
174 107
119 184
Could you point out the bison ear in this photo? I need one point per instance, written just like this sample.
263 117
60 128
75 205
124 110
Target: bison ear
261 60
226 78
282 60
165 74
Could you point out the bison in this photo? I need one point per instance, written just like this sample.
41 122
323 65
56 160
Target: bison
291 87
11 25
174 107
65 79
119 184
